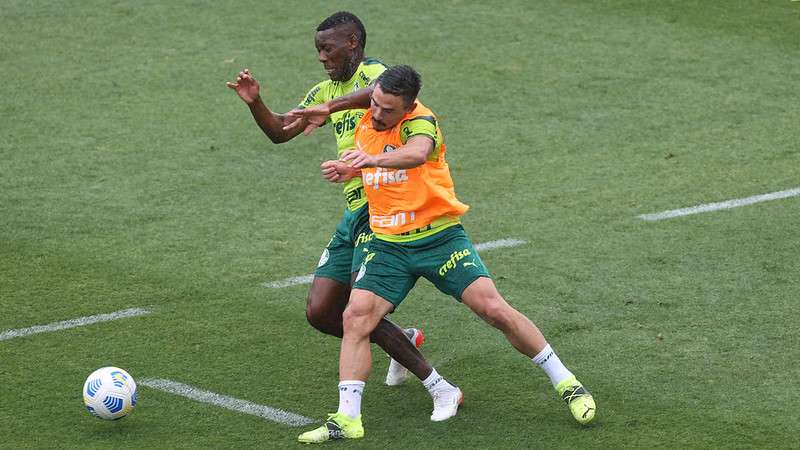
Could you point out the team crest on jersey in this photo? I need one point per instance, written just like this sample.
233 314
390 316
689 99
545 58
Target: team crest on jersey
324 258
389 148
361 272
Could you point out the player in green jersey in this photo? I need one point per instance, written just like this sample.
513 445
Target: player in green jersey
340 41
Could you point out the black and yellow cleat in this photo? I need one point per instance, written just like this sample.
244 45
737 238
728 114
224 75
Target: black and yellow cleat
338 426
580 401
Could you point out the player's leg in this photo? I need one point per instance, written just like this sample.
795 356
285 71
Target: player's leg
389 272
326 301
450 261
482 297
364 310
361 316
325 304
330 287
400 344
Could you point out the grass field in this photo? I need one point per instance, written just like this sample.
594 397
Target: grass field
130 176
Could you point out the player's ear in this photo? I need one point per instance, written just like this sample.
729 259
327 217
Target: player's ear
352 41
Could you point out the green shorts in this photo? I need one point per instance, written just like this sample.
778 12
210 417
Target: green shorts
447 259
347 248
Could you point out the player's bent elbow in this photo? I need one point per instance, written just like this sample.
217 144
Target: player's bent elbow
419 158
275 137
278 139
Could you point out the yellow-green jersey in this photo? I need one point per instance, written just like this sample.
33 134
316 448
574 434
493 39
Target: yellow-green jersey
344 122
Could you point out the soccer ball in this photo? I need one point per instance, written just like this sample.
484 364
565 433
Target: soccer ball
109 393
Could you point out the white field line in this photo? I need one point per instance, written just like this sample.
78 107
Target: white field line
234 404
305 279
73 323
728 204
500 243
293 281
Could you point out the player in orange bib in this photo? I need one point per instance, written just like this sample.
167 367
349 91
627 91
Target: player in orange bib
414 214
407 198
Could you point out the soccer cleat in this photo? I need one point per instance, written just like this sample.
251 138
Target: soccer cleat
338 426
446 403
397 374
580 401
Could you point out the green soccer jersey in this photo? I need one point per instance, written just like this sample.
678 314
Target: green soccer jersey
344 122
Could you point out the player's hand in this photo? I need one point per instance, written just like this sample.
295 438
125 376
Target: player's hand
246 86
313 116
338 172
358 159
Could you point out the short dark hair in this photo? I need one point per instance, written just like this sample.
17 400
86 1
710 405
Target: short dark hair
344 18
402 81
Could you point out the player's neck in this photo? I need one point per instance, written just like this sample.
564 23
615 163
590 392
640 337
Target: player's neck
354 63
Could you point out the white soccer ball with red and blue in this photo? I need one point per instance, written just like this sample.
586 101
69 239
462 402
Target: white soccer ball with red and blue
109 393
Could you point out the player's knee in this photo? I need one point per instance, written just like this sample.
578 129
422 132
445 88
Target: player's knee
355 319
497 313
350 319
322 316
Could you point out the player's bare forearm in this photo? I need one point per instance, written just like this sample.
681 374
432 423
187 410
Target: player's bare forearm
273 125
359 99
414 153
315 116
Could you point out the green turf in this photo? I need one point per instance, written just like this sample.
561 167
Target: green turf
132 177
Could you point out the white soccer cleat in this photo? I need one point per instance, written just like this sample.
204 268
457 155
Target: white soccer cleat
397 374
446 403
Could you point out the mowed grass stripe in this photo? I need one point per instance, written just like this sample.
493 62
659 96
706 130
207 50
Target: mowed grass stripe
224 401
73 323
728 204
306 279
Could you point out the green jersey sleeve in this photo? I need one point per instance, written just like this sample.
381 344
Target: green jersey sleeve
314 97
423 126
318 95
371 69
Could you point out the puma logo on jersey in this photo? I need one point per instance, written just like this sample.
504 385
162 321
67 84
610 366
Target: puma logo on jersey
383 176
470 263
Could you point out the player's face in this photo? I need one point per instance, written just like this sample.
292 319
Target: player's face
336 49
387 109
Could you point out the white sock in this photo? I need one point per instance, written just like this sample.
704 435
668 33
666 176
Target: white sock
350 392
436 382
552 366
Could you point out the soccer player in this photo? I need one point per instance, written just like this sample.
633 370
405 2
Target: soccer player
340 41
414 214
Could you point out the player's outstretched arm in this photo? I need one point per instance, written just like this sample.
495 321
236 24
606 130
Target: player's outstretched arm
315 116
278 127
414 153
359 99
